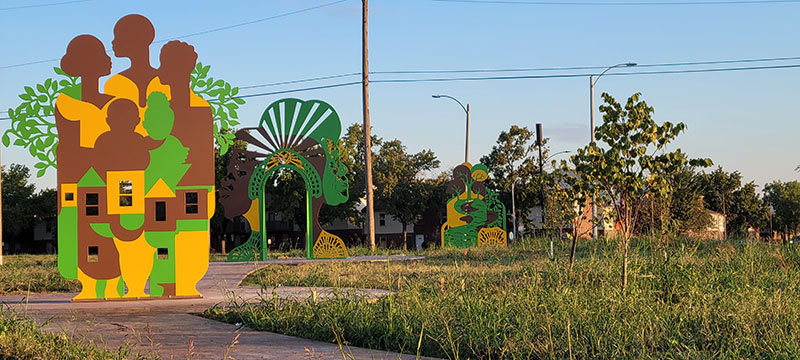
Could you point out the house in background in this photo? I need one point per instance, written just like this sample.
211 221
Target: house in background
583 222
716 227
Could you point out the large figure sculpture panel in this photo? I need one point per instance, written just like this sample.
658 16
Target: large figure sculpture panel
135 169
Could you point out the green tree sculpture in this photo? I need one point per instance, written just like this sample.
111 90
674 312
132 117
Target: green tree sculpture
33 127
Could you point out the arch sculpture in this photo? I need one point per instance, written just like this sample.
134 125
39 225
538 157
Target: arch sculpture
302 136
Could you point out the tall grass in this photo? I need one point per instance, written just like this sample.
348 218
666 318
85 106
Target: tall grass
21 274
21 338
688 299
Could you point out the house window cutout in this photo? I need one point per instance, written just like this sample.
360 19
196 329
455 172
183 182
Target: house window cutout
92 204
382 219
163 254
191 203
161 211
126 193
69 196
93 254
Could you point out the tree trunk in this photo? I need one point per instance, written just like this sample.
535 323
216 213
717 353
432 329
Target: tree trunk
405 239
625 266
572 250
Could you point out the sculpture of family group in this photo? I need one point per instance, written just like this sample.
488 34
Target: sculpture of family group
135 169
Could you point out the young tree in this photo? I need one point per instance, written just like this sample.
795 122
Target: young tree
514 158
633 164
566 204
399 185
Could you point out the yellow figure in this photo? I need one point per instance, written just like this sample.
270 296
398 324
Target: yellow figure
88 286
191 261
135 261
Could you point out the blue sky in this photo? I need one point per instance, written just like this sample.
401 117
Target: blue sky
746 121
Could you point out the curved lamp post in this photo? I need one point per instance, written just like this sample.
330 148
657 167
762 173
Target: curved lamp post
592 82
466 110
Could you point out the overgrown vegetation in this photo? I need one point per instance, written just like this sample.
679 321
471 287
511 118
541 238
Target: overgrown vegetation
35 274
695 299
22 339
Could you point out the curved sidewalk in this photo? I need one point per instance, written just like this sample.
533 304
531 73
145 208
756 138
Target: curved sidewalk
169 328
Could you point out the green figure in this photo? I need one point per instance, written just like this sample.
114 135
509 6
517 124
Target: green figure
167 162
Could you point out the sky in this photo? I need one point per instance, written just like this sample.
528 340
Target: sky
746 121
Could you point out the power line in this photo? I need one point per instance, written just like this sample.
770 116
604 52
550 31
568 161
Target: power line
300 81
561 68
633 3
42 5
255 21
520 77
273 17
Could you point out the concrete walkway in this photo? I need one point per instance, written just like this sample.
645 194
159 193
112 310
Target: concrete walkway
169 328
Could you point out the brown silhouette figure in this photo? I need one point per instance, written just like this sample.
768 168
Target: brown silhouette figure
133 35
121 148
85 58
193 124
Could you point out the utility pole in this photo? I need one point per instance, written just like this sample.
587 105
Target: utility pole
540 143
367 135
1 219
466 145
591 116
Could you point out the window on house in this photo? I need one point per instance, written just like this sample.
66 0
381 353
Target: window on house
382 218
191 203
161 211
93 254
126 193
92 204
163 254
69 196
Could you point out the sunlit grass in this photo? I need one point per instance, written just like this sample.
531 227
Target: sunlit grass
730 299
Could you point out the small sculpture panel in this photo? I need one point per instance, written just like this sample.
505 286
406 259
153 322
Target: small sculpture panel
475 215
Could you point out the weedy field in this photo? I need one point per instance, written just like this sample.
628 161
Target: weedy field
688 299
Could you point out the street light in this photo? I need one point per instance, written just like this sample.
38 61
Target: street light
466 110
592 82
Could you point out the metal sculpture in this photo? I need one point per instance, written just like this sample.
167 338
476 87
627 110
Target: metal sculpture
475 215
293 134
135 165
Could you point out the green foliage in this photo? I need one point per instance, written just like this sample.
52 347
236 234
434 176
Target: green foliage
724 193
33 129
691 300
22 205
634 165
514 159
785 200
399 186
32 126
222 97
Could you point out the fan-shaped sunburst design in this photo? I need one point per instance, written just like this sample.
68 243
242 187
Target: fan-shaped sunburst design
329 246
493 236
